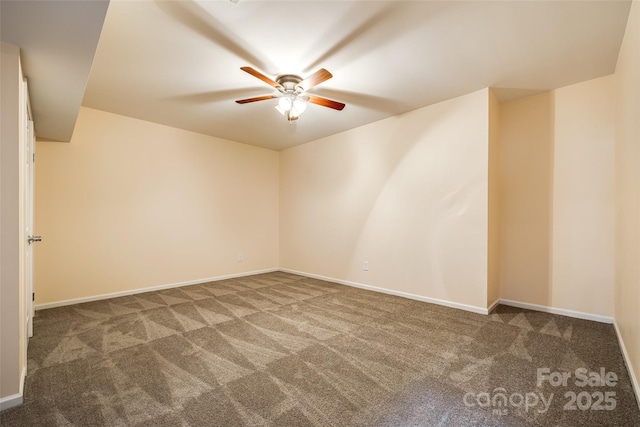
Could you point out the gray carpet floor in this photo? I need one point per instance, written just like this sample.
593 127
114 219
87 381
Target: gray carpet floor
284 350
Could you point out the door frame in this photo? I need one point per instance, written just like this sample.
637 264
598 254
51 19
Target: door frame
29 225
29 147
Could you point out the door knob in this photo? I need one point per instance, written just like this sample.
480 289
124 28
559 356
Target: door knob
32 239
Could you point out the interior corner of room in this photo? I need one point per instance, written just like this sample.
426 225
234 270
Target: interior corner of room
470 202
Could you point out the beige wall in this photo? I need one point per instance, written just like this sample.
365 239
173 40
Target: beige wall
493 241
407 194
583 198
130 204
556 204
12 312
627 161
526 167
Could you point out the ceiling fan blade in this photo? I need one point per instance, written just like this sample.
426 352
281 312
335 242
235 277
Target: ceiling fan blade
257 98
314 79
325 102
261 76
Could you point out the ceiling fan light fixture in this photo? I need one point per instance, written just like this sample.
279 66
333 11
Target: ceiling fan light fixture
292 115
292 101
291 107
299 105
285 103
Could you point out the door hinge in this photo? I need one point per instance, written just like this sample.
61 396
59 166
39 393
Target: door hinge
33 296
34 157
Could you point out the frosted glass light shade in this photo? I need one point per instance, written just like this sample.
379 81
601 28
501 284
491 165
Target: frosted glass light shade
291 107
300 106
285 103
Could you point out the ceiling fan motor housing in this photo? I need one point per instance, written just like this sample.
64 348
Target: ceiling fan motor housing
289 82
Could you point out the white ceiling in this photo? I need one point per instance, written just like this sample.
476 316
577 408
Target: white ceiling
178 62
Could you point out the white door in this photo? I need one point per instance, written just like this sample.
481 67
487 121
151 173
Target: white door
30 150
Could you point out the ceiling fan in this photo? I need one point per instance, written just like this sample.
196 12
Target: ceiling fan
292 97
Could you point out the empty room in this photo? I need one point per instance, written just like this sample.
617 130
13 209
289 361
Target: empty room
320 213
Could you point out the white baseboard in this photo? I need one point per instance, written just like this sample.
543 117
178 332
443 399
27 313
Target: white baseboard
460 306
474 309
560 311
627 361
14 399
10 401
149 289
493 306
445 303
